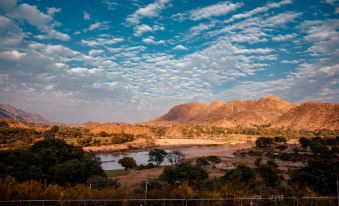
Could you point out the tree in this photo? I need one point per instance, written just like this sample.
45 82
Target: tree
127 163
319 148
51 160
184 172
305 142
320 175
202 162
280 140
269 174
264 142
241 176
157 156
175 157
103 134
213 160
50 134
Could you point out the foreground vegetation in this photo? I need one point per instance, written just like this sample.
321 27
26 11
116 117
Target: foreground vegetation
51 169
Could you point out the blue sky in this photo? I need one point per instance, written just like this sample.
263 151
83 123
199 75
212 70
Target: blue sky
111 60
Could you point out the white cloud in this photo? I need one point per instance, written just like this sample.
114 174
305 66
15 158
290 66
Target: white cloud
139 30
151 40
219 9
95 52
86 15
286 37
150 11
101 41
44 22
11 34
290 61
180 47
84 71
12 55
97 26
323 35
258 10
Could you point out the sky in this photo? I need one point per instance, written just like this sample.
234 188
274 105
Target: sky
128 61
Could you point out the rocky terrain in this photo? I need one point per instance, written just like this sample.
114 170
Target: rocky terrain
268 111
9 112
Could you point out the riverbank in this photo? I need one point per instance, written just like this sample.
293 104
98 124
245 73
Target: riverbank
169 143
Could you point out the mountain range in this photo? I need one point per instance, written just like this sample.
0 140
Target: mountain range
9 112
268 111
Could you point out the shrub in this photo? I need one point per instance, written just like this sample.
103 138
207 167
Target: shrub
127 163
264 142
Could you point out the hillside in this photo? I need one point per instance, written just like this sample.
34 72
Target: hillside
273 111
237 113
9 112
310 116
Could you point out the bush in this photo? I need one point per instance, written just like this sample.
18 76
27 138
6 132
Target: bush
157 156
305 142
184 172
281 147
262 142
202 162
280 140
127 163
51 160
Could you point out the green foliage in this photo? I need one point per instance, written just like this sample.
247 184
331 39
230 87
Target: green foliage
120 138
213 160
51 160
84 142
241 176
11 135
202 162
127 163
264 142
157 156
269 174
51 134
4 124
175 157
184 172
280 140
319 174
305 142
103 134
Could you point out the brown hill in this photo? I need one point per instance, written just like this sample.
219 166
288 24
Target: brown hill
243 113
310 116
248 113
9 112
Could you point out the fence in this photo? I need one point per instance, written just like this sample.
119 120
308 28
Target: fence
275 201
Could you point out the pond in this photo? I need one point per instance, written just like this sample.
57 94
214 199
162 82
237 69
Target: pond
110 161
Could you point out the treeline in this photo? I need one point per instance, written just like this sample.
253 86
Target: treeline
50 161
204 131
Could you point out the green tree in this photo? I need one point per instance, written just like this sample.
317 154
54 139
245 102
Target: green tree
175 157
319 174
269 174
241 176
280 140
184 172
202 162
264 142
127 163
157 156
305 142
213 160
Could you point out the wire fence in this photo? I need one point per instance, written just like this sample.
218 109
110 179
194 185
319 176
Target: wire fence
280 201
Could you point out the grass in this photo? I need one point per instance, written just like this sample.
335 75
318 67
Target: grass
115 173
